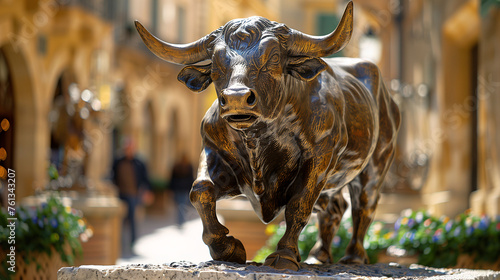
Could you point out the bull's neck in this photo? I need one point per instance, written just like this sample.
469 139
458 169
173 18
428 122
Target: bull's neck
250 139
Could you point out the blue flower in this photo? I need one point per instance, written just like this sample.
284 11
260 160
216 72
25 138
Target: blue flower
402 240
484 223
457 232
54 223
40 223
412 237
336 241
469 231
22 214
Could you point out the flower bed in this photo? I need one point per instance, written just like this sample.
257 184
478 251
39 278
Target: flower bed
433 241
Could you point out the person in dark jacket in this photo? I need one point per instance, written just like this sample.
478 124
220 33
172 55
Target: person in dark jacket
180 183
131 178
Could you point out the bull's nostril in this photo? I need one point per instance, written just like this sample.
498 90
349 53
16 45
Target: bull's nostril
222 101
251 99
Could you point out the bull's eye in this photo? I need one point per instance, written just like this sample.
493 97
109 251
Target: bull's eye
222 101
274 59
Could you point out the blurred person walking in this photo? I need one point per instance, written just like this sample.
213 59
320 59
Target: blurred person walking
181 181
130 176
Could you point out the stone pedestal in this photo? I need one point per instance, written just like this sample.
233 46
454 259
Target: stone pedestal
105 215
227 271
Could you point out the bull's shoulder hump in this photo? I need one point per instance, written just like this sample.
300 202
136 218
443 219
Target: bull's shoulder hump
362 70
359 68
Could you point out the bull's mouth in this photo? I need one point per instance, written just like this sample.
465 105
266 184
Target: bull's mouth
240 121
241 118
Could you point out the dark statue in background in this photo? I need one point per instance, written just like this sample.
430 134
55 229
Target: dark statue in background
289 130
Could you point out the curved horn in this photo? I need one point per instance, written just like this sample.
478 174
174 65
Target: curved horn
319 46
177 53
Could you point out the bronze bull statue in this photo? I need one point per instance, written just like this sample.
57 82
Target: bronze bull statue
288 130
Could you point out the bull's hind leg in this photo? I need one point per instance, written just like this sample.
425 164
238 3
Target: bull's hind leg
222 247
329 217
364 191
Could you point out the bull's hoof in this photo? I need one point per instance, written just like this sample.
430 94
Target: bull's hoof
234 251
353 259
319 255
283 259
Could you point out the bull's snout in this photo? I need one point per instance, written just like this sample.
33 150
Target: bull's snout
241 98
238 106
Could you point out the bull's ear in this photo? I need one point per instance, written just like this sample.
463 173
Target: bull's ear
196 78
305 67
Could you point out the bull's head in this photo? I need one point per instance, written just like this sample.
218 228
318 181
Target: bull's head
250 61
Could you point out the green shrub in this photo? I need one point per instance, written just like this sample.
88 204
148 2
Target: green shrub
437 241
39 229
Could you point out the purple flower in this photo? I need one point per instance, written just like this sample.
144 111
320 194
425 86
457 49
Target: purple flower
457 232
411 223
397 224
448 226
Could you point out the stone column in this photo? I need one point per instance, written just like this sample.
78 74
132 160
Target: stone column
449 185
486 200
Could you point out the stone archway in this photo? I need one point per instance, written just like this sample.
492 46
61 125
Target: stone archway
29 146
7 121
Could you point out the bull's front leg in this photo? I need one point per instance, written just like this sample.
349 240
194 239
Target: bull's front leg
297 213
203 196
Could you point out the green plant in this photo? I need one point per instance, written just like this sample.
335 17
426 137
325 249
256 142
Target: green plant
50 226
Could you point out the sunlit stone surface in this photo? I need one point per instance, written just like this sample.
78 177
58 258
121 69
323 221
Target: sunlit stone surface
227 271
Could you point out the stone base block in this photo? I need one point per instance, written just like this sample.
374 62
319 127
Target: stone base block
227 271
